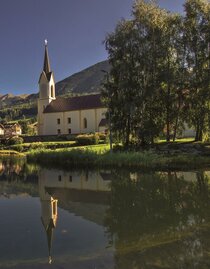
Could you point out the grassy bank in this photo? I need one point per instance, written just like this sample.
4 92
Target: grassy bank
99 156
10 153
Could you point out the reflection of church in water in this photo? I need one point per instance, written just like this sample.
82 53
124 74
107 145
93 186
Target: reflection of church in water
65 187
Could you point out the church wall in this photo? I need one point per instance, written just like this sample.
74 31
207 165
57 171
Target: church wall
75 122
44 99
76 125
51 125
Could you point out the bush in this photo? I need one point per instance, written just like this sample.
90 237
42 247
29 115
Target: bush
15 140
38 145
91 139
17 147
70 137
104 137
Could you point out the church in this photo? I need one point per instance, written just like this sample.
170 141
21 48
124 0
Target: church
72 115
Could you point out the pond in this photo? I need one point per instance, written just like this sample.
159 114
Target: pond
103 218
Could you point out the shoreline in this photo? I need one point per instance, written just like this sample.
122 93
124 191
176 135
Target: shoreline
132 160
162 157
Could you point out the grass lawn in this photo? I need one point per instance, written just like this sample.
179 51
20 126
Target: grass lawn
180 140
183 154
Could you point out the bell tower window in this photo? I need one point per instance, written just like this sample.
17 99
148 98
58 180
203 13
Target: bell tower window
52 91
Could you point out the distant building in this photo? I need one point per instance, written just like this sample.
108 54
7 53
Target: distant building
1 130
73 115
13 129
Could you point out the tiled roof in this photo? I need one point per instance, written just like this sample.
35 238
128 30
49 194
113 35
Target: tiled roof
103 123
74 103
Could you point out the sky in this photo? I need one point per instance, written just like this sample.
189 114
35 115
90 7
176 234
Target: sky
75 30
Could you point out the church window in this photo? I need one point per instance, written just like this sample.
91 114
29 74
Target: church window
69 120
58 121
59 131
85 123
52 91
69 131
59 178
54 208
70 178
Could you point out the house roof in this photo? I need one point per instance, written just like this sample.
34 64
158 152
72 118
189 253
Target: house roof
83 102
103 123
10 125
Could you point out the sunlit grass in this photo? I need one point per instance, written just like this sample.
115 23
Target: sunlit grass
180 140
10 152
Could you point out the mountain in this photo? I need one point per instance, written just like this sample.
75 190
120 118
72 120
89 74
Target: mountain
13 107
85 81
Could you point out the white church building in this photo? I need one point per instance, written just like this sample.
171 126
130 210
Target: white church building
73 115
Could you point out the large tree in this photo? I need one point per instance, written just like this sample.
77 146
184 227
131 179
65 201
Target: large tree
197 39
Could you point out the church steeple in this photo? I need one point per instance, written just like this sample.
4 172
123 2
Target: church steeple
46 90
46 67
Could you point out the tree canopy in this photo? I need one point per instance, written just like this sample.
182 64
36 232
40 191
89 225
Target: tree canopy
159 77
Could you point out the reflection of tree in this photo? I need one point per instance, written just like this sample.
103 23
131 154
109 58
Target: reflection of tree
14 173
13 168
158 219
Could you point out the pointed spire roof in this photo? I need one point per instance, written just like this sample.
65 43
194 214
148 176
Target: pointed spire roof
49 231
46 67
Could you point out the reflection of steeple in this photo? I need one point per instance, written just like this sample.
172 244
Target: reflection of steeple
49 214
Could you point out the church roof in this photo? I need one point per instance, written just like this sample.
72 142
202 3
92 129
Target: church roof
61 104
103 123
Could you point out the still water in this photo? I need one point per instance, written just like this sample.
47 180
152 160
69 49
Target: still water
116 219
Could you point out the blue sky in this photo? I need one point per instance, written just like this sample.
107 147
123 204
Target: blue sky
75 30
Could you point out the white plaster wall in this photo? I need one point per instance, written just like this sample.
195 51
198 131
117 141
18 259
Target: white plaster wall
188 132
50 123
75 122
93 117
44 100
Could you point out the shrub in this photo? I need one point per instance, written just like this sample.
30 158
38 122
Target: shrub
38 145
103 137
70 137
15 140
17 147
87 139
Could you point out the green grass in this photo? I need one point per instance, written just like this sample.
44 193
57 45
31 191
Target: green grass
99 156
25 147
181 140
10 152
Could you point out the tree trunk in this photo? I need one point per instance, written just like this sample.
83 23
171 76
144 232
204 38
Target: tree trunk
127 139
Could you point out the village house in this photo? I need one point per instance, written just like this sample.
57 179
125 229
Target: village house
1 130
73 115
12 129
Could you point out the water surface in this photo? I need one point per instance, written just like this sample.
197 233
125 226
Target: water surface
103 219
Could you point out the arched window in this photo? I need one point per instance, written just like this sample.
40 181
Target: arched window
85 123
52 91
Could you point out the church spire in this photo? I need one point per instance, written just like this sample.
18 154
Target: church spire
46 67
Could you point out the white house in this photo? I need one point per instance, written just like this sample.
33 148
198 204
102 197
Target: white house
1 130
73 115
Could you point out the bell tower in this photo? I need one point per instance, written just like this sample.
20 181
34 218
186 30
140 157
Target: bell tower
46 90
